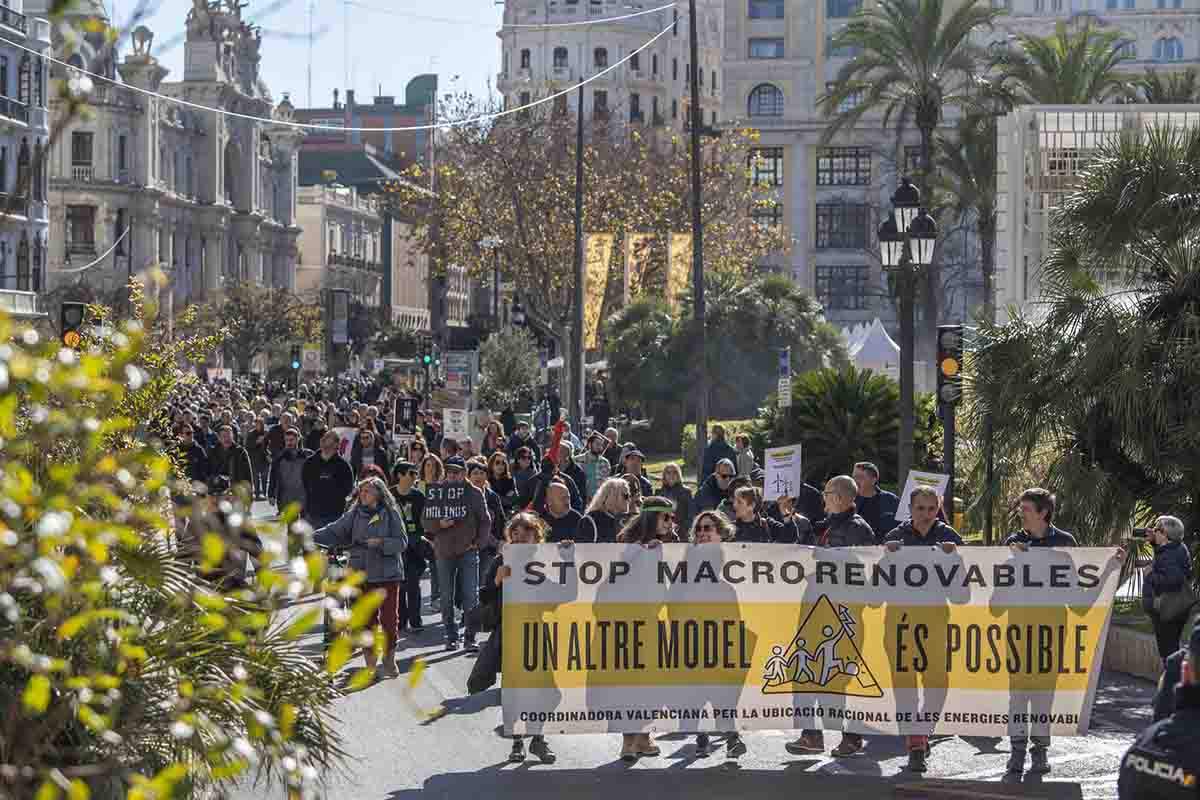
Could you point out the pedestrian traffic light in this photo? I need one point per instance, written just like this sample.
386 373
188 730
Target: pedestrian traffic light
950 356
426 355
296 354
71 318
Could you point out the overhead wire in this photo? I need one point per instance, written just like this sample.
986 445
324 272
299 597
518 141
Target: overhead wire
572 24
324 127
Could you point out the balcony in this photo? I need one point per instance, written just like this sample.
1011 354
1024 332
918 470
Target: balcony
82 173
13 19
14 204
81 248
11 108
20 304
353 262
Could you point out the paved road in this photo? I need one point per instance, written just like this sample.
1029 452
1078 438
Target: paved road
400 756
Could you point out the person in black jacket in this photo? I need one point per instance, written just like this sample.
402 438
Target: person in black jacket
1171 571
1037 530
368 449
876 506
328 481
632 464
716 488
562 519
1164 761
534 497
522 437
229 464
477 474
411 503
195 460
568 467
602 522
751 525
718 449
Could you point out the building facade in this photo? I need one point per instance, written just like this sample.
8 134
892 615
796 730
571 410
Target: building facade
653 88
144 182
24 135
341 244
1042 150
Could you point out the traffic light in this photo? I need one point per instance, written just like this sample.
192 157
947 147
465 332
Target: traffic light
71 318
949 362
426 354
296 357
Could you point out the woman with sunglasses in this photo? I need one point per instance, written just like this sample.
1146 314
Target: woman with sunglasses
605 513
494 439
674 489
417 449
655 525
713 527
524 528
501 480
523 472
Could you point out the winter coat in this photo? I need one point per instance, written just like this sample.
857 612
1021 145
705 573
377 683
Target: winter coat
599 527
256 446
1053 538
596 470
710 496
195 462
534 496
811 503
613 454
312 439
1171 570
564 528
522 484
352 530
879 510
327 484
682 498
846 529
495 507
231 462
287 478
506 488
469 533
714 452
575 473
275 439
745 462
515 443
907 535
765 530
381 458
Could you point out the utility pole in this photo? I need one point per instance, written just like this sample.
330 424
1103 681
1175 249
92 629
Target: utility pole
697 119
575 399
312 7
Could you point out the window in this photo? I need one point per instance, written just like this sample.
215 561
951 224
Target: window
39 173
843 287
1129 50
39 89
81 229
122 153
654 64
599 58
4 169
766 9
526 98
1168 49
4 76
525 59
674 69
844 166
837 9
766 48
560 58
560 106
119 231
1129 4
1062 161
674 109
767 214
712 118
701 73
600 103
714 83
1056 6
635 62
833 50
24 284
655 116
635 107
848 102
1169 3
38 263
766 166
842 226
912 159
25 79
766 100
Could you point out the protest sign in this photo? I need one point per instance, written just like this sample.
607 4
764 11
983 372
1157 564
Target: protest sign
915 479
456 423
346 438
404 414
446 500
783 472
981 641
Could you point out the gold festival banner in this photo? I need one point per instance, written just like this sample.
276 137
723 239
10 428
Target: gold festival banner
679 266
598 252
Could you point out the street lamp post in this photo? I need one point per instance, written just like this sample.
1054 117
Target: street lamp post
492 244
906 241
698 304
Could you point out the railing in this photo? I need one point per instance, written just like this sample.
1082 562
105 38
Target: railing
81 248
82 173
16 204
354 262
13 19
14 109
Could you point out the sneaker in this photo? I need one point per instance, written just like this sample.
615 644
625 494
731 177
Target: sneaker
517 756
451 646
849 746
1016 762
470 646
735 747
1039 763
541 749
916 760
702 743
807 743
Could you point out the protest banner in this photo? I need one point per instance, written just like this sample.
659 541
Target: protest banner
447 500
346 437
932 479
981 641
783 472
456 423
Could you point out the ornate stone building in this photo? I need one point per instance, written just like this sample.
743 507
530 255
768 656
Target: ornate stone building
143 181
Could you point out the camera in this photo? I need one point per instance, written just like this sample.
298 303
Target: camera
1141 533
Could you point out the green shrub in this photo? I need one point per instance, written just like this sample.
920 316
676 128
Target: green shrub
732 428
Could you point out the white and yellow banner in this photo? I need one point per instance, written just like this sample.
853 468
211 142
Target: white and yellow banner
982 641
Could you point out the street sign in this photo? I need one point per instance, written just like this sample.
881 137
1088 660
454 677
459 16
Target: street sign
377 365
459 368
785 392
456 423
311 358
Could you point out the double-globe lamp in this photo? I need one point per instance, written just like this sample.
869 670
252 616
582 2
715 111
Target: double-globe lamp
907 236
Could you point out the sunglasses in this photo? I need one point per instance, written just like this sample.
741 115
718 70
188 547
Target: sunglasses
707 527
724 476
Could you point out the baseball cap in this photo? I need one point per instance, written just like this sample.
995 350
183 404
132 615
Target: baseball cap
403 467
635 453
455 462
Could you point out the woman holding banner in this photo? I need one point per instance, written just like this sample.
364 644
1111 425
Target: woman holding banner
604 514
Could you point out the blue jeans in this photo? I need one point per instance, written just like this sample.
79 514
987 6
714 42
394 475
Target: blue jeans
451 571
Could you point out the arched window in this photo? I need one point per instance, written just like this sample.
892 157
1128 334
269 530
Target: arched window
24 280
119 231
23 163
1129 49
38 258
525 59
1168 49
25 80
39 83
560 57
599 58
766 101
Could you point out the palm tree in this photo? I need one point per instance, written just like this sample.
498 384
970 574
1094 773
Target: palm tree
1173 87
916 59
967 174
1072 67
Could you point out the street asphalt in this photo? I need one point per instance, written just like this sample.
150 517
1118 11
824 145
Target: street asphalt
400 753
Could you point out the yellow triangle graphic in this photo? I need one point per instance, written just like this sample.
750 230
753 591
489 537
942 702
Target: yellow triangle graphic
822 658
